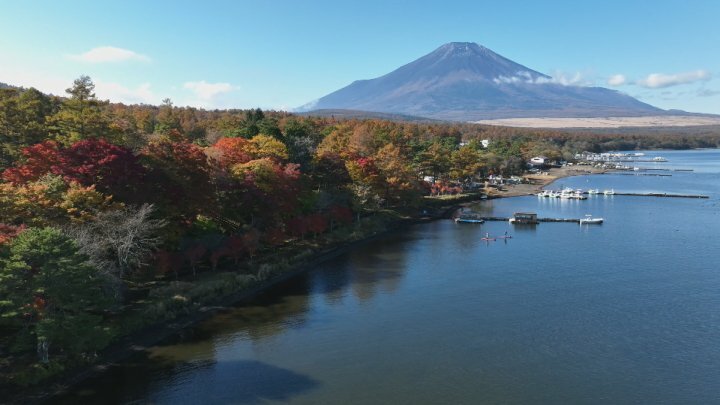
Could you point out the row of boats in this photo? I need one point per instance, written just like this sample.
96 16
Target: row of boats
571 194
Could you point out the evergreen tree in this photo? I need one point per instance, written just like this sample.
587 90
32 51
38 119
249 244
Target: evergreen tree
167 120
23 121
51 294
80 116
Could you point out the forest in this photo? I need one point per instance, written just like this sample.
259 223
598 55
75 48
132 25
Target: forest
115 216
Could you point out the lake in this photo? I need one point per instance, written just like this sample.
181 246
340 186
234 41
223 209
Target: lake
623 312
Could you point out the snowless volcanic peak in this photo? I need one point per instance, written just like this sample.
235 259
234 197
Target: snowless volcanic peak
466 81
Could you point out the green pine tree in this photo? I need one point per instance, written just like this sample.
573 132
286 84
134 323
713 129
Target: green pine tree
51 295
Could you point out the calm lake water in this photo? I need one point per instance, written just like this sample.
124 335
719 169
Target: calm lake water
624 312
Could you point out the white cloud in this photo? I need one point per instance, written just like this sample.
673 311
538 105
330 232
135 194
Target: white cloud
118 93
565 79
103 54
660 80
207 91
617 80
56 84
43 81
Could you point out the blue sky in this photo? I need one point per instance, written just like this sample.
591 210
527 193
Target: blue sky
282 54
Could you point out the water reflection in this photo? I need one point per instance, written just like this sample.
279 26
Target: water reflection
625 312
160 381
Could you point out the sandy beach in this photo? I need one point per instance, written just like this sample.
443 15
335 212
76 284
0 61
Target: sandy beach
542 179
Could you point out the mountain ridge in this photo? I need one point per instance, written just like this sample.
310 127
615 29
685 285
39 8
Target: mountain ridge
464 81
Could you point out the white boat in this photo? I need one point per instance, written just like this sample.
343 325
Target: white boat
659 159
468 217
469 220
593 191
589 220
609 192
567 193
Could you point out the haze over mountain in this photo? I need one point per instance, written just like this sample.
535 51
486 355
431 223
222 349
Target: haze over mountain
466 81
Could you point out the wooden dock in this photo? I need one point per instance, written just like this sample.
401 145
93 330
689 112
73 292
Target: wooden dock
644 174
667 195
662 195
506 219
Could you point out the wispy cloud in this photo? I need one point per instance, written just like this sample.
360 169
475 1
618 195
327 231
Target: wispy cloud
565 79
207 91
109 54
209 95
617 80
708 93
661 80
119 93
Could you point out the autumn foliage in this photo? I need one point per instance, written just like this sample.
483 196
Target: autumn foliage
232 183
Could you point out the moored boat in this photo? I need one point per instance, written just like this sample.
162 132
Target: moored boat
589 220
469 220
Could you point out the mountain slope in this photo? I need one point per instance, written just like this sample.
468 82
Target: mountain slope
466 81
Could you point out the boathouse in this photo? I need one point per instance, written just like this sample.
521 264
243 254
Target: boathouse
524 218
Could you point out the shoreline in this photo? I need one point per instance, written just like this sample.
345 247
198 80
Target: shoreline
155 334
538 181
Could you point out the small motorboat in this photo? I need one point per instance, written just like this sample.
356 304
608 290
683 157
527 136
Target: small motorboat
609 192
468 217
593 191
589 220
469 220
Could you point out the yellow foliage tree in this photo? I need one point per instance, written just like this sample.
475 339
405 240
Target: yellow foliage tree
262 171
264 146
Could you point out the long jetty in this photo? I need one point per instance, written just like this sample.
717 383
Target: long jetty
662 195
667 195
644 174
575 220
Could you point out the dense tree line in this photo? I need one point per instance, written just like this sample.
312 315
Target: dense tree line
94 195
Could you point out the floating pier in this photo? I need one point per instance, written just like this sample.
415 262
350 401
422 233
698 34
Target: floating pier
664 195
644 174
506 219
668 195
